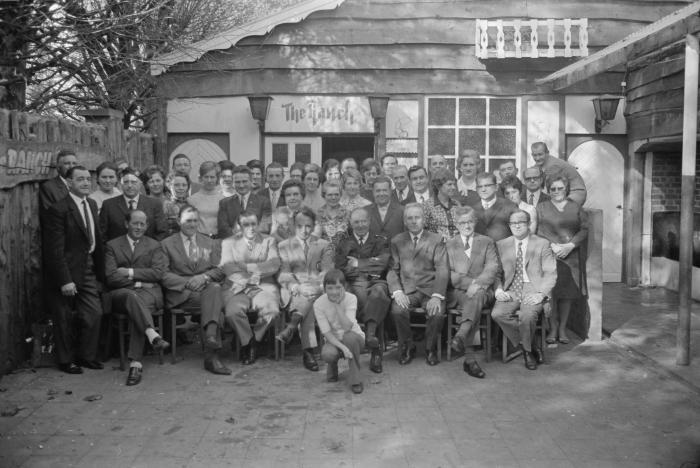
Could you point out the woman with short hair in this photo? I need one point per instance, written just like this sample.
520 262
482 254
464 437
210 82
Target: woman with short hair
512 189
207 199
107 178
351 183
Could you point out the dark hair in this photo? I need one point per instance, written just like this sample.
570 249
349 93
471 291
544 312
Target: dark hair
226 165
416 168
511 182
186 207
129 213
128 171
329 163
293 183
308 212
180 156
348 159
63 153
368 164
242 170
389 155
559 178
255 164
247 213
69 172
148 173
297 165
382 179
107 165
541 144
439 178
527 215
486 175
334 276
274 165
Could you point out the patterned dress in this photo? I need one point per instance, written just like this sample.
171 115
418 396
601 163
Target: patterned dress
439 218
332 227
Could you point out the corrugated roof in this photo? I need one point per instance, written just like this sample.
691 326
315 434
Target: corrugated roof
231 37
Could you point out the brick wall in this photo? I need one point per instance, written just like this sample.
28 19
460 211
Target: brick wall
666 183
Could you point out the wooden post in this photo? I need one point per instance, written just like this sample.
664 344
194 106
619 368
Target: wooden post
685 254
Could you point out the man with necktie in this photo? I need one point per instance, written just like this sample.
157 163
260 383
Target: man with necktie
74 260
524 286
402 192
533 194
230 208
385 214
420 183
492 212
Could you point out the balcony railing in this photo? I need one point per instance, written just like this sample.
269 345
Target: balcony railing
531 38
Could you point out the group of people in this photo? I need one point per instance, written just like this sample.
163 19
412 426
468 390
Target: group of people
336 247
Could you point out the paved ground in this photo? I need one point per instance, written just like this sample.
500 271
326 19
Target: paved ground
592 405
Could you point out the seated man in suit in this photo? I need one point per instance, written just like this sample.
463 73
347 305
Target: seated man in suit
134 267
191 281
402 190
492 212
231 207
114 210
474 267
551 166
523 288
305 260
363 257
73 256
533 194
418 278
250 262
385 214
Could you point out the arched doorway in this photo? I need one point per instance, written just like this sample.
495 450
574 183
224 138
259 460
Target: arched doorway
602 167
198 150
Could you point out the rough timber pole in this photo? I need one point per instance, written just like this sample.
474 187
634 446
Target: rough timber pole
690 129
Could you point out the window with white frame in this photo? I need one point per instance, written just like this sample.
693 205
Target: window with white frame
489 125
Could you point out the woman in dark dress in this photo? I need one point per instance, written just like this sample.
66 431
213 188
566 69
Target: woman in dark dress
565 225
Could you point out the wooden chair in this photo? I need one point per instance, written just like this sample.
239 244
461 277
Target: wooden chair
123 332
485 330
419 311
175 313
541 327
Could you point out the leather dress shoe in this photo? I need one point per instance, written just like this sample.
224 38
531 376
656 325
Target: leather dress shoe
310 361
159 344
95 365
407 355
134 377
250 355
457 345
357 388
215 366
332 372
530 361
539 355
431 358
472 368
375 363
286 335
71 368
211 343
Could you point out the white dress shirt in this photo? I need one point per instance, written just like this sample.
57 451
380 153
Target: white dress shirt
90 222
489 203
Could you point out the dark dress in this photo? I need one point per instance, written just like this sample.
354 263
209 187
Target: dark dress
562 227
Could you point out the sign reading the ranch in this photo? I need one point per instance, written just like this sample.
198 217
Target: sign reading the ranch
319 114
24 161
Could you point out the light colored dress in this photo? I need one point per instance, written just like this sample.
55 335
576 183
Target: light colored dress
351 203
99 196
208 207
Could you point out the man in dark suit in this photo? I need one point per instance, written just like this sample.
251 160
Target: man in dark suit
402 192
274 175
114 210
74 260
492 212
134 267
474 267
418 278
363 257
192 282
230 208
522 290
552 166
57 188
385 214
533 193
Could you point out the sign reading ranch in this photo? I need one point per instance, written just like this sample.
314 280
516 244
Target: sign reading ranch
319 114
24 161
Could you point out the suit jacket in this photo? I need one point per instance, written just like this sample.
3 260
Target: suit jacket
410 197
538 261
66 248
265 193
469 199
241 263
50 192
181 268
494 221
297 269
148 261
114 211
372 257
481 268
543 197
393 221
367 193
422 269
230 209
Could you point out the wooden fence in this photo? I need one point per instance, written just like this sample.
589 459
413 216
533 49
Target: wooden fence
28 144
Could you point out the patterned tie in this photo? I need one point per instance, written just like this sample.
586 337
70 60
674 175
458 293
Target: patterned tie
241 199
88 224
466 247
517 286
192 251
362 241
132 205
415 242
531 200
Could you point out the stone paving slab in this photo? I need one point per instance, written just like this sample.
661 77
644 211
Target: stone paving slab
591 405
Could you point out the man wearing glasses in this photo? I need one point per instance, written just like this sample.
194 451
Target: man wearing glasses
474 267
492 212
552 166
533 194
525 285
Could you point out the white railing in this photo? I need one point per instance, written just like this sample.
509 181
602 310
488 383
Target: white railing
526 38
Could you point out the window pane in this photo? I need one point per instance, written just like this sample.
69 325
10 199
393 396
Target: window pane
441 141
441 111
302 152
502 141
472 111
280 154
502 112
472 138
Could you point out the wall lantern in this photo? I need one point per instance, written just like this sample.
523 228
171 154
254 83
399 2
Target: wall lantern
377 106
605 108
259 107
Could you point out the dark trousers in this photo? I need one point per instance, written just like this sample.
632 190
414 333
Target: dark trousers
470 314
138 305
208 302
373 300
77 320
403 323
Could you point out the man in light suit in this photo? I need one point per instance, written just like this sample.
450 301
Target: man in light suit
114 210
528 276
492 212
418 278
134 267
230 208
363 257
305 260
250 262
191 282
474 267
74 258
385 214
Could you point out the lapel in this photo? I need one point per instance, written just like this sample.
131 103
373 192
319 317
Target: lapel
419 246
467 259
491 212
77 216
529 253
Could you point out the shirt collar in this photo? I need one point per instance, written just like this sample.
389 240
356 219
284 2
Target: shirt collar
489 204
78 200
468 240
135 199
363 238
524 241
186 239
419 235
132 242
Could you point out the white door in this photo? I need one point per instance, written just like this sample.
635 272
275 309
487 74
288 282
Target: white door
288 150
602 167
198 150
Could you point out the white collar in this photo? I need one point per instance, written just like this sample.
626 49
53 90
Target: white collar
489 204
186 239
135 199
363 238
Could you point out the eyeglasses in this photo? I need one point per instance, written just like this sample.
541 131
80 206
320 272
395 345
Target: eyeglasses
249 224
557 189
485 185
519 223
532 179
